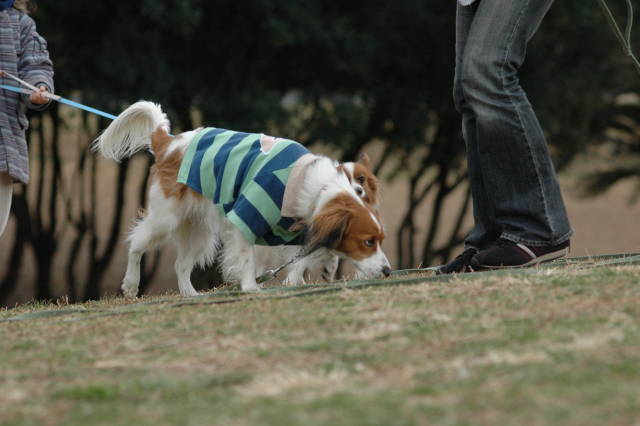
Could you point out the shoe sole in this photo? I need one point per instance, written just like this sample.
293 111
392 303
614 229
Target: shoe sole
533 262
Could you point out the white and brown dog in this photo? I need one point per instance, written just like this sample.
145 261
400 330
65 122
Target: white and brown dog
238 207
322 264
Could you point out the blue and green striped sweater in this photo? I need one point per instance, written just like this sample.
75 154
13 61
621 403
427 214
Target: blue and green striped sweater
245 175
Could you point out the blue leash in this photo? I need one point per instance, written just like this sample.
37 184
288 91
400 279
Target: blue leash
62 100
28 89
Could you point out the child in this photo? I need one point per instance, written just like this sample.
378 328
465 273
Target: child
22 53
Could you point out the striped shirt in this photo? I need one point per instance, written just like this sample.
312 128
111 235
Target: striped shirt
245 175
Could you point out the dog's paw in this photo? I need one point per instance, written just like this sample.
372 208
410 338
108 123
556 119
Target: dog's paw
251 288
288 282
190 292
292 281
295 277
129 291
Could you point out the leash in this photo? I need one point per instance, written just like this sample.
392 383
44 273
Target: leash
624 39
271 273
29 89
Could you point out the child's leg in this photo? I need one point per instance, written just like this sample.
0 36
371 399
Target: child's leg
6 192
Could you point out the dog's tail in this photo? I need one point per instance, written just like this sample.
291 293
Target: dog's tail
131 131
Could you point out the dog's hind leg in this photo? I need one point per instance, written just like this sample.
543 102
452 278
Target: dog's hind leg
139 242
146 234
149 232
186 259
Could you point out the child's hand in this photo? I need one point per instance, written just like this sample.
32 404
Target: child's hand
38 98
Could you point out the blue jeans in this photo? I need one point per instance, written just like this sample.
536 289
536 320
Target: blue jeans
515 191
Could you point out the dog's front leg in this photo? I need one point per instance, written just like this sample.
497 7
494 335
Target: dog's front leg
239 260
247 260
295 273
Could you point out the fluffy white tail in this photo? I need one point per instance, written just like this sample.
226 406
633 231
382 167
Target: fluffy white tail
131 131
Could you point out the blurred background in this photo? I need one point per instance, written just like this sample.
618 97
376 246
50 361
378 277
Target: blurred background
340 77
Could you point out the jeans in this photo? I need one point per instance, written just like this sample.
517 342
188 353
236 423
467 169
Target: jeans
514 188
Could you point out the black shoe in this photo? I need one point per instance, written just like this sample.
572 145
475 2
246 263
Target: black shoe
459 264
505 254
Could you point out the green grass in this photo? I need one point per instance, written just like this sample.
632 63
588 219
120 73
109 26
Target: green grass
543 348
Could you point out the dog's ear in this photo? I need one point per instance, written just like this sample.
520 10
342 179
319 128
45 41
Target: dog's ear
328 227
365 161
372 182
342 169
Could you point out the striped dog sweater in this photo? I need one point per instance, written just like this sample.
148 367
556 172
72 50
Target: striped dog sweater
245 175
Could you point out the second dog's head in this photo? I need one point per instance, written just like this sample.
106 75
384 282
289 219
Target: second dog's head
362 179
353 230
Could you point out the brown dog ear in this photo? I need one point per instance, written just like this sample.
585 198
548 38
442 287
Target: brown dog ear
365 161
373 193
328 227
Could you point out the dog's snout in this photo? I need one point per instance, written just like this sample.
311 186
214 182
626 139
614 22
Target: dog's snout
359 191
386 271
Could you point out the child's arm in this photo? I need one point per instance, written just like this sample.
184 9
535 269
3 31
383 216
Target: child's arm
34 66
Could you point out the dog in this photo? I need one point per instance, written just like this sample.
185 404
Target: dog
276 192
362 179
323 264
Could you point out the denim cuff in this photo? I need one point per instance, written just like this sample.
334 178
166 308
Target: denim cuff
532 243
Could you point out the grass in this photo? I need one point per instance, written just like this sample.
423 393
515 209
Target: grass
544 348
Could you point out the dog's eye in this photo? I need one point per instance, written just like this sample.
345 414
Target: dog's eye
360 179
369 243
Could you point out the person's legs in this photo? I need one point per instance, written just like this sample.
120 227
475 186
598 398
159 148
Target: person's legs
516 196
481 234
6 193
510 155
